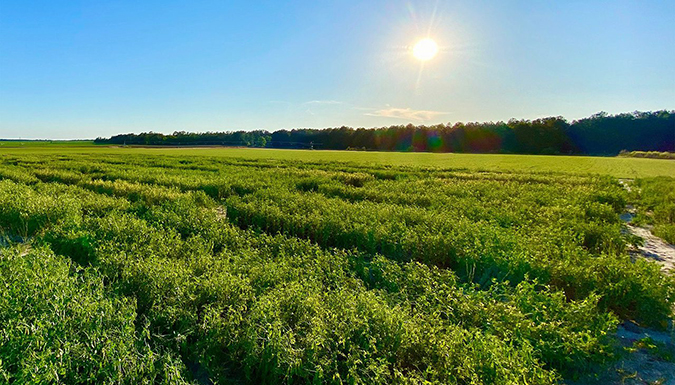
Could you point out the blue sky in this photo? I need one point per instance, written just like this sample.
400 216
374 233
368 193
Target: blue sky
82 69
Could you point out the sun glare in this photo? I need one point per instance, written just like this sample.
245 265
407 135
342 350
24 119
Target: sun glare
425 49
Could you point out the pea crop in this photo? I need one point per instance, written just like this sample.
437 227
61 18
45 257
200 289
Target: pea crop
154 268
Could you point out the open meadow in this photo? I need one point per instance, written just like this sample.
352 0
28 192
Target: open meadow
214 265
619 167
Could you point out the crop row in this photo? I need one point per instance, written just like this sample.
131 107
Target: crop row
267 271
272 308
562 230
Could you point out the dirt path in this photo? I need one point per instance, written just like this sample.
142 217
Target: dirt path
642 365
654 249
651 352
645 364
649 362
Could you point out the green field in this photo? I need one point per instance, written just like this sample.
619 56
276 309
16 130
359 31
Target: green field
619 167
214 265
44 144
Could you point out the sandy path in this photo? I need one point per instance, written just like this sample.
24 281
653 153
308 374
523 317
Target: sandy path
641 366
654 249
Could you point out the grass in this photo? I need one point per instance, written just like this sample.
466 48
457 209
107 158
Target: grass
44 144
620 167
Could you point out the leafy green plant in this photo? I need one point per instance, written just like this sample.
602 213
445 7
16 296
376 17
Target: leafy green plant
284 271
61 325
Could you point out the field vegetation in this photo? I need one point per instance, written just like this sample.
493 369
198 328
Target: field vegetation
151 266
648 154
656 203
619 167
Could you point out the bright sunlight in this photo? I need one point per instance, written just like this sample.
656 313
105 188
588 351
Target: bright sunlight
425 49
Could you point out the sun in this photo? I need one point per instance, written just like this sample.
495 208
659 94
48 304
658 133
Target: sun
425 49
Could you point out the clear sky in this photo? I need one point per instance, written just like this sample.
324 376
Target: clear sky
82 69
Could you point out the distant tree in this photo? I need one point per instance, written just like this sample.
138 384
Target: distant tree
600 134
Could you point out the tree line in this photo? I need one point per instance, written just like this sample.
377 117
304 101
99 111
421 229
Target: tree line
599 134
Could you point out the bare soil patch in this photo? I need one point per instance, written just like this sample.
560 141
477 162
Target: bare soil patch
642 365
653 248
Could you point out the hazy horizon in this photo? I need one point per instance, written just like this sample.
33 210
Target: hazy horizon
289 128
81 71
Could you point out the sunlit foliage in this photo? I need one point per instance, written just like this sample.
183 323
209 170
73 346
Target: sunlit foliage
198 269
